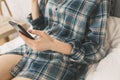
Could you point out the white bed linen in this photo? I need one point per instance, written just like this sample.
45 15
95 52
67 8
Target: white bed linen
11 45
109 67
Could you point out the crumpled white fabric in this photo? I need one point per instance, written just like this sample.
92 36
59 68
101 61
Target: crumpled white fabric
109 67
11 45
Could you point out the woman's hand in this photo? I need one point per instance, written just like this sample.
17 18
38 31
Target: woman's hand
43 43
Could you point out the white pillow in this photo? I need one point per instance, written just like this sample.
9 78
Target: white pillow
113 32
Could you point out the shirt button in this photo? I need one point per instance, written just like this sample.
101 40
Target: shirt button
56 9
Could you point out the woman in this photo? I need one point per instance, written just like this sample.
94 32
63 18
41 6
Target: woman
70 35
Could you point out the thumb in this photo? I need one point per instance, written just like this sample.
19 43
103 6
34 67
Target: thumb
36 32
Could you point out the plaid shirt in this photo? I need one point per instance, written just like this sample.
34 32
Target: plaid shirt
81 23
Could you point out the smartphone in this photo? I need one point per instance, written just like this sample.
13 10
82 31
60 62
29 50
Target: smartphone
19 28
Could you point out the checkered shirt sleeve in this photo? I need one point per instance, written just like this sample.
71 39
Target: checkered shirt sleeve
40 22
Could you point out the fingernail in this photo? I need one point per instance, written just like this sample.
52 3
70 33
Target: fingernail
30 31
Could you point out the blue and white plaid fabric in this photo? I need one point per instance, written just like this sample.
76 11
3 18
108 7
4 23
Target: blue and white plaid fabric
82 24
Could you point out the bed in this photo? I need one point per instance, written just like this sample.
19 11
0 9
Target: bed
107 68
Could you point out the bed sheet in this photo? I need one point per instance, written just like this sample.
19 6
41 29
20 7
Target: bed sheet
11 45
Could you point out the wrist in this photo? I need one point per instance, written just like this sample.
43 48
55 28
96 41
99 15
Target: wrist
61 47
52 47
34 0
35 9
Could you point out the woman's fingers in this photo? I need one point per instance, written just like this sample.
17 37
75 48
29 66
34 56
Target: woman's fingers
27 40
41 44
38 33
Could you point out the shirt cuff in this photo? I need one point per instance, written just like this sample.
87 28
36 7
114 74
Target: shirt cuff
77 52
39 22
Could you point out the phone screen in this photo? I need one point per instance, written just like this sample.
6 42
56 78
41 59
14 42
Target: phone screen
19 28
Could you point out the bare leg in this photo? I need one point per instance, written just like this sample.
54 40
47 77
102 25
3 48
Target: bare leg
6 62
21 78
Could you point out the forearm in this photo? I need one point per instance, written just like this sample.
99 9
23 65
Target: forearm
35 9
61 47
